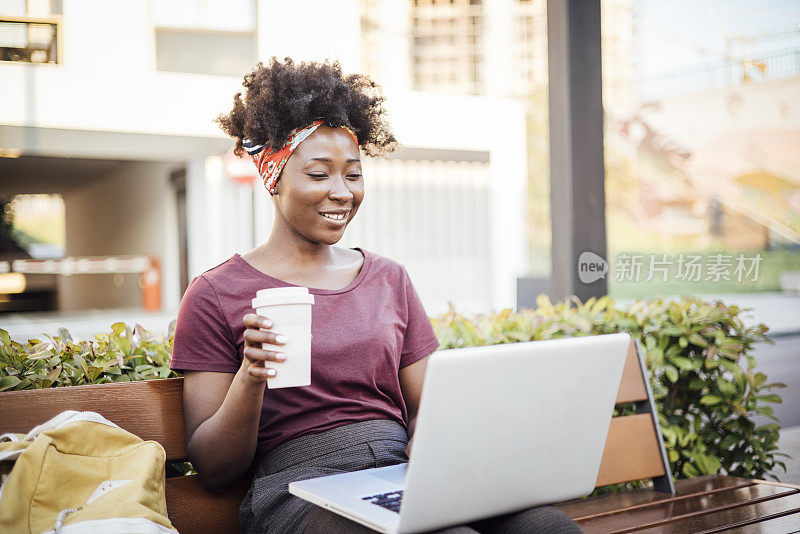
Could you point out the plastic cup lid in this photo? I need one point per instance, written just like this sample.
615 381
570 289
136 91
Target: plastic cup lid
282 295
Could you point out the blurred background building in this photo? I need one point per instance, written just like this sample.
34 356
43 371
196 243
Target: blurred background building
107 127
109 150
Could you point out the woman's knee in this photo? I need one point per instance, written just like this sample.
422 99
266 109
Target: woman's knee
321 521
545 519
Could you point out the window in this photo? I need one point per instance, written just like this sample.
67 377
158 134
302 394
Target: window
205 52
205 36
444 37
30 31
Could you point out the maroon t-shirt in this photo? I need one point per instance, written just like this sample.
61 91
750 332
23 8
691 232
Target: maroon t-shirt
362 335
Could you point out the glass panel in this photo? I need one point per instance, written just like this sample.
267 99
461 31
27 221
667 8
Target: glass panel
27 42
205 52
13 34
446 40
701 136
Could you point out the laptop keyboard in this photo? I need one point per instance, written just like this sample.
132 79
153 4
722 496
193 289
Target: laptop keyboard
390 501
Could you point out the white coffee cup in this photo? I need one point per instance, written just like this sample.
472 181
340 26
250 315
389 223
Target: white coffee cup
289 309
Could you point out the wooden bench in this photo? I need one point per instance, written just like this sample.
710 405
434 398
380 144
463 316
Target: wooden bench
153 410
634 450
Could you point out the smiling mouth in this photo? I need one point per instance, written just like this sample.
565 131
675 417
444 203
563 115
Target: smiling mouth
337 216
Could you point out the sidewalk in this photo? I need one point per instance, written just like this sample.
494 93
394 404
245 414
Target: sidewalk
789 443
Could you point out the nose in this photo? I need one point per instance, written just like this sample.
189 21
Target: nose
340 190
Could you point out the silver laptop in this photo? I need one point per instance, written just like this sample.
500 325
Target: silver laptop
500 429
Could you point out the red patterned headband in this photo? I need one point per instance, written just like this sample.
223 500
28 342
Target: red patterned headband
270 163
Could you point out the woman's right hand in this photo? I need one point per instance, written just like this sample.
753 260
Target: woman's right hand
254 363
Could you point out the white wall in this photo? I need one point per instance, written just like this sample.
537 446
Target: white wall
388 60
107 36
311 30
54 96
129 212
219 215
108 79
498 48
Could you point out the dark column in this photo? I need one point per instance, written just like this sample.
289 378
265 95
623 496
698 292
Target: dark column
577 192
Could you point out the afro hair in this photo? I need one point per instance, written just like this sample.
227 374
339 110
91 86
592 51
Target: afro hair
281 96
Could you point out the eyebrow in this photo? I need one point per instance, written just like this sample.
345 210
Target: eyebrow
329 160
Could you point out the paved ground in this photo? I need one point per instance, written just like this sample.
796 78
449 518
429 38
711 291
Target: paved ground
781 363
789 443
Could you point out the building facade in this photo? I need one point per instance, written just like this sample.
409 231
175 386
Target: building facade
113 109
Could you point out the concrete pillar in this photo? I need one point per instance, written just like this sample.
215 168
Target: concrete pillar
199 222
577 190
219 214
498 52
508 207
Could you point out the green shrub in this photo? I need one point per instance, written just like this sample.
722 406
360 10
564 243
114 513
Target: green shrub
120 356
698 355
700 364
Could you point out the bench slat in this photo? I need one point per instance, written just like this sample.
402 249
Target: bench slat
666 512
192 510
151 409
579 509
748 514
782 524
631 387
631 451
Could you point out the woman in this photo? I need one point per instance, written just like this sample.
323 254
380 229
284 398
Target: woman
371 336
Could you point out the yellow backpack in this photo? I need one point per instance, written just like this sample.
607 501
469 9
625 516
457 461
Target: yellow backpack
80 472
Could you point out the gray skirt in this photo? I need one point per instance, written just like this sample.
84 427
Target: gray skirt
269 508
